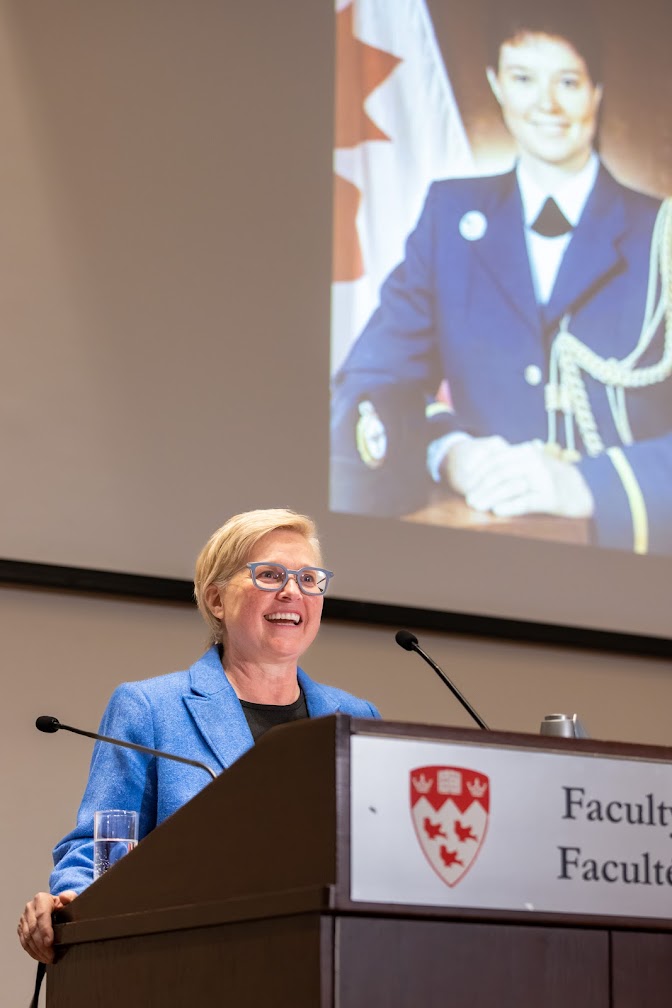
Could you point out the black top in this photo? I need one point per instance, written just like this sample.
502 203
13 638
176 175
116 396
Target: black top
261 717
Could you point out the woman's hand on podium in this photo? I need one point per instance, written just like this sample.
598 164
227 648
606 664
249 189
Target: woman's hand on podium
35 930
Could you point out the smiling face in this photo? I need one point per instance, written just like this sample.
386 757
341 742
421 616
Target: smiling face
548 100
262 626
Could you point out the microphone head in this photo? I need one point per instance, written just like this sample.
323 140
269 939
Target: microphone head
47 723
406 639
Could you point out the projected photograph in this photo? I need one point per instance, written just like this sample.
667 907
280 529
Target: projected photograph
501 337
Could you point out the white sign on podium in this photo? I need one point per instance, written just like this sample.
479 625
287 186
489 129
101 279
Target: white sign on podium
493 827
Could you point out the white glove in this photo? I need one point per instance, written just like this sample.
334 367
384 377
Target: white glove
510 480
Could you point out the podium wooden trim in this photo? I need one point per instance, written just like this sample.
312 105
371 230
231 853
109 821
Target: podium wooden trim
242 898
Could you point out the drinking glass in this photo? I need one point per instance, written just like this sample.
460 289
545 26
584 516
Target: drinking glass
115 833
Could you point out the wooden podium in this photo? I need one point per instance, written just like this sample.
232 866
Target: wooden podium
244 897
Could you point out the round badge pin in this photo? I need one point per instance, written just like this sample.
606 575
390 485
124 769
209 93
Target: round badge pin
473 225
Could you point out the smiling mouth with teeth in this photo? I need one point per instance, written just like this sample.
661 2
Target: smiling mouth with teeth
288 619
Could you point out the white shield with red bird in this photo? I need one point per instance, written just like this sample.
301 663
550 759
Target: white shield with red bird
450 808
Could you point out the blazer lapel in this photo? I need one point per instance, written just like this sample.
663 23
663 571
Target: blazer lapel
216 710
502 251
318 700
593 251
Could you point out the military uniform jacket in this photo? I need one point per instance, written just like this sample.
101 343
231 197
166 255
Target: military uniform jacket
462 307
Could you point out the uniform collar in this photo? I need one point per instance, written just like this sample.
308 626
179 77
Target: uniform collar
571 194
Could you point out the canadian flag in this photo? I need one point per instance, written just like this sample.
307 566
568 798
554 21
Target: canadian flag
397 129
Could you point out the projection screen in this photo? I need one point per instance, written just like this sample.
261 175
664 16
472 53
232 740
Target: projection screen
175 291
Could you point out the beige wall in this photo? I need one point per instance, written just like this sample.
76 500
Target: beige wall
63 654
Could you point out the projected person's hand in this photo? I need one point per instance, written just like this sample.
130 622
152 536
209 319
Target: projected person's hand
511 480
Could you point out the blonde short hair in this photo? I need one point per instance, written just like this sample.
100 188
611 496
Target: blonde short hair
227 551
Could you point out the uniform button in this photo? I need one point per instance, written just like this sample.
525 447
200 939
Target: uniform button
533 374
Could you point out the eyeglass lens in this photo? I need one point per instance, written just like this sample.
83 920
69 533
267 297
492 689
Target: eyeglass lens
311 580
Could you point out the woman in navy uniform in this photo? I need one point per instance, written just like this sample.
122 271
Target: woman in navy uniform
527 293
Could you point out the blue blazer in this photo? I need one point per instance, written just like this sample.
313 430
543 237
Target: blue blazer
194 713
463 307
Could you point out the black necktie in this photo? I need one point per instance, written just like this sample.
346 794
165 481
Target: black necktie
551 221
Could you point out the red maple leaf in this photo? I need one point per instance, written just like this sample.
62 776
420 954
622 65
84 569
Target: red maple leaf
360 69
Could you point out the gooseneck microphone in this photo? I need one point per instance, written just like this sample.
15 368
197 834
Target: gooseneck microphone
49 724
409 642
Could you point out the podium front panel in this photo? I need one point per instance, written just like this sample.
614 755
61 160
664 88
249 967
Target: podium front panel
400 963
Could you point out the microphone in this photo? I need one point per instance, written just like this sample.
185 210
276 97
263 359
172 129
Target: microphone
49 724
409 642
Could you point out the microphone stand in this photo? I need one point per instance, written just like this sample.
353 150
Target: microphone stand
49 724
409 642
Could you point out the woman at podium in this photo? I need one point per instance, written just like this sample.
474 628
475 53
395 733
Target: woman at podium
259 585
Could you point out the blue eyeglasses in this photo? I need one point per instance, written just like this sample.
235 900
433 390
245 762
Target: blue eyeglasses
274 576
